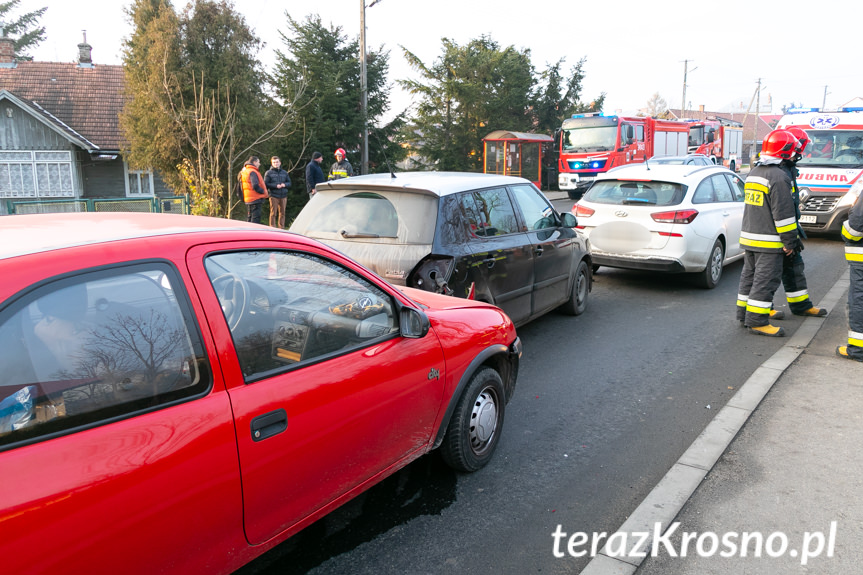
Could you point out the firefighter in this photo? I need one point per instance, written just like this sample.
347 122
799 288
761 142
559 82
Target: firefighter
769 232
342 167
852 233
793 278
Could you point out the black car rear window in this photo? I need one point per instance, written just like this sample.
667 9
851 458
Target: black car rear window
634 192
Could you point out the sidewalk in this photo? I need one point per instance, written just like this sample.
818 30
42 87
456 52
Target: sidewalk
785 468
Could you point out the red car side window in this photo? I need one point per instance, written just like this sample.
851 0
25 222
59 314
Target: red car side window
81 351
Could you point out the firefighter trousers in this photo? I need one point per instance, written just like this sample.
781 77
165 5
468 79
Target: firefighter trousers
794 281
855 312
759 280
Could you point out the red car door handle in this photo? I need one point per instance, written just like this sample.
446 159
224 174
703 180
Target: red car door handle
269 424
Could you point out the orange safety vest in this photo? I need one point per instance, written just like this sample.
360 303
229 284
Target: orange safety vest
250 194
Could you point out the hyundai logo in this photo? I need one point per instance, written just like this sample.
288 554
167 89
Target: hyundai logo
621 213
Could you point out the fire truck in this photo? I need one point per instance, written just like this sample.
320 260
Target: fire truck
719 139
831 170
591 144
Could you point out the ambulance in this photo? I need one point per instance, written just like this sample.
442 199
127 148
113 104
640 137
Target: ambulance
831 170
593 143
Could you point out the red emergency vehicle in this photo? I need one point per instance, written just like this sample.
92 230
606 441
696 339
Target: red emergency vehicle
719 139
592 144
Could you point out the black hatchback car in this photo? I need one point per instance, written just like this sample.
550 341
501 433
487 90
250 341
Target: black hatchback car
481 236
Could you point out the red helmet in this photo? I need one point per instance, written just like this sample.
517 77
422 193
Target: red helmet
801 136
780 144
341 151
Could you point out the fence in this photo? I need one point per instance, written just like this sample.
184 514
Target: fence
175 205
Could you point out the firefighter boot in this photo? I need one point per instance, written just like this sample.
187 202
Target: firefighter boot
777 314
842 351
814 312
768 330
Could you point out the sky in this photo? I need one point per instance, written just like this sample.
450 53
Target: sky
803 52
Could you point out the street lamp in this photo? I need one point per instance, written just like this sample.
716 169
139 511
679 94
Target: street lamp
364 84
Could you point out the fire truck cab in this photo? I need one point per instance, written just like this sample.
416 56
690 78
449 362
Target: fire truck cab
591 144
831 169
719 139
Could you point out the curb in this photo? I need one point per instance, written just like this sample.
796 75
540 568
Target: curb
672 492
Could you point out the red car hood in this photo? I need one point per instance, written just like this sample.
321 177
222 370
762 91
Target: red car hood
438 301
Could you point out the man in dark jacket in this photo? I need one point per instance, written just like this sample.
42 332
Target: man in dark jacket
314 173
278 183
769 232
852 233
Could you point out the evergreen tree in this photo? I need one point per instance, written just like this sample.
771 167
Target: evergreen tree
25 29
151 58
469 92
319 69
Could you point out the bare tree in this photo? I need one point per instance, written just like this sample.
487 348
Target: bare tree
657 107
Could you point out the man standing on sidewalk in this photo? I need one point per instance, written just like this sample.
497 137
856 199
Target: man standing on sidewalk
314 173
254 192
769 232
278 183
852 232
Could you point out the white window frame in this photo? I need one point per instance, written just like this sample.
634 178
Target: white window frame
144 179
32 159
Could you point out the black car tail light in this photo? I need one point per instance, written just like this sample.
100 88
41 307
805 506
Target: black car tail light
432 274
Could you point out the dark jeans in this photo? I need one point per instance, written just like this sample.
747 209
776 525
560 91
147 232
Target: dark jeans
277 212
254 212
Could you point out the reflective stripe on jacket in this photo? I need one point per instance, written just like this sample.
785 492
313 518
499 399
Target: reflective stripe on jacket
250 194
769 220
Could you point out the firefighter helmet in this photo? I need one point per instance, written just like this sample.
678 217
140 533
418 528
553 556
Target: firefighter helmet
780 144
340 151
801 136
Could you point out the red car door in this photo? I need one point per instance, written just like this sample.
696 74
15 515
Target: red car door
326 395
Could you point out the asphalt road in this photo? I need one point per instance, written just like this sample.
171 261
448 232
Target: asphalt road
606 402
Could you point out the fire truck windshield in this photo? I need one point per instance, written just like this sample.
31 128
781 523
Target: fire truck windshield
833 148
696 135
589 139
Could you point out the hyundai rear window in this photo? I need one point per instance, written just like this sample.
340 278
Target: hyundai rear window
631 192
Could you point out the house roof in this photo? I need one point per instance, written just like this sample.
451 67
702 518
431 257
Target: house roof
81 101
748 120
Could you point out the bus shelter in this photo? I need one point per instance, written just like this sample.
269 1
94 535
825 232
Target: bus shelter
516 154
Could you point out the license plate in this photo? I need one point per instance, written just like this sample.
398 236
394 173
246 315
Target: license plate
808 220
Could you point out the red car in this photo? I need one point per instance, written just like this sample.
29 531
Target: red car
179 394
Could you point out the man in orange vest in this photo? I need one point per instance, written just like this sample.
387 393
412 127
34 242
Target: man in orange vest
254 192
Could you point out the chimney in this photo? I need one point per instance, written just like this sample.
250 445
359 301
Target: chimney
7 50
701 108
85 57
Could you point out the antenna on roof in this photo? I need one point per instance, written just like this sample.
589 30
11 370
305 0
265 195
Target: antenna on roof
380 145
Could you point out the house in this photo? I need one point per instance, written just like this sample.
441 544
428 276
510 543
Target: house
60 136
755 128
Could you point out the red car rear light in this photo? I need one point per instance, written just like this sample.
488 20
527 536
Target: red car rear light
582 211
675 216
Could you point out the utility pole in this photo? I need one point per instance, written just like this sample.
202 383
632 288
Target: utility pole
364 85
683 100
824 103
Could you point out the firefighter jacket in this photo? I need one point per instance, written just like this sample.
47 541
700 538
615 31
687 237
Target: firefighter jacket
340 170
769 222
852 233
252 183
